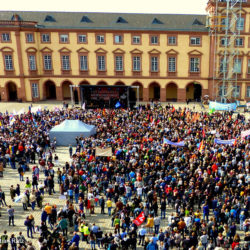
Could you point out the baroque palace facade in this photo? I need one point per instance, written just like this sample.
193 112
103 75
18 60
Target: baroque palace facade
168 56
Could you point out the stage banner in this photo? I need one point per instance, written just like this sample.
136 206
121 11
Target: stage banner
225 142
103 151
222 106
245 133
139 219
178 144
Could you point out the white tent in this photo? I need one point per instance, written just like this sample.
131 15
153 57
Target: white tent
66 132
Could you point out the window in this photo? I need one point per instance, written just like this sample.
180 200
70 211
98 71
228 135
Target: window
195 40
8 62
248 66
32 62
34 88
154 64
100 39
224 23
136 39
82 38
47 62
222 91
136 63
118 63
64 38
154 39
237 65
45 38
224 41
236 92
118 39
248 91
223 65
83 62
171 64
101 63
172 40
65 62
240 23
194 64
239 42
29 38
5 37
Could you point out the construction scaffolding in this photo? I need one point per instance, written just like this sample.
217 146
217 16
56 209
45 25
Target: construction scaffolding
225 23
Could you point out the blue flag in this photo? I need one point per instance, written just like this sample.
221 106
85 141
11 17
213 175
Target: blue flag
118 105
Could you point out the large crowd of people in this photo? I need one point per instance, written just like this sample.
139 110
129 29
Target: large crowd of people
194 196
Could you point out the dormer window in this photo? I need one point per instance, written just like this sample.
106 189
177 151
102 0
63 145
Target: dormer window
49 18
121 20
156 21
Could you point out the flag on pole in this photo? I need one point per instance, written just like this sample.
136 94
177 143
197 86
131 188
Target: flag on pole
139 219
83 106
201 146
118 105
211 111
203 133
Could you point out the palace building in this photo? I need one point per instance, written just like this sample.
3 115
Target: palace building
169 57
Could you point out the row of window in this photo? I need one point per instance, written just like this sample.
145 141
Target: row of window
237 42
194 63
235 93
237 66
100 38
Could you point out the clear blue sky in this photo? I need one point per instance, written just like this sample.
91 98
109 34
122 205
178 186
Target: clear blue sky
127 6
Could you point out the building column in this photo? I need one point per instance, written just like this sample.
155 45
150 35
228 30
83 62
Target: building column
204 92
145 94
181 95
59 94
163 95
21 92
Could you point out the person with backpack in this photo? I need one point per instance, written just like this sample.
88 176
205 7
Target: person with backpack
28 224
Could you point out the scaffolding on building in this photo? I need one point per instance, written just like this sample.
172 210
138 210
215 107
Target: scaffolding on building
225 24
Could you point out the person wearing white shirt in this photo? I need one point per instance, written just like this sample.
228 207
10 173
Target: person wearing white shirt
142 233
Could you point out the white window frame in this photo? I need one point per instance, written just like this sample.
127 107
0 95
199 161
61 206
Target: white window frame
240 23
45 38
47 62
194 64
136 39
154 39
172 64
239 42
237 68
101 66
65 62
223 65
8 60
236 92
35 90
118 39
154 64
32 62
30 37
84 62
248 91
195 40
118 63
6 37
64 38
222 92
136 63
100 38
224 41
172 40
82 38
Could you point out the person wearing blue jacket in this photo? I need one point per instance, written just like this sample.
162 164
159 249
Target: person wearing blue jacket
75 239
152 245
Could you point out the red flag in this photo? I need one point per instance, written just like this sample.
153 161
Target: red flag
203 133
139 219
235 141
173 110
